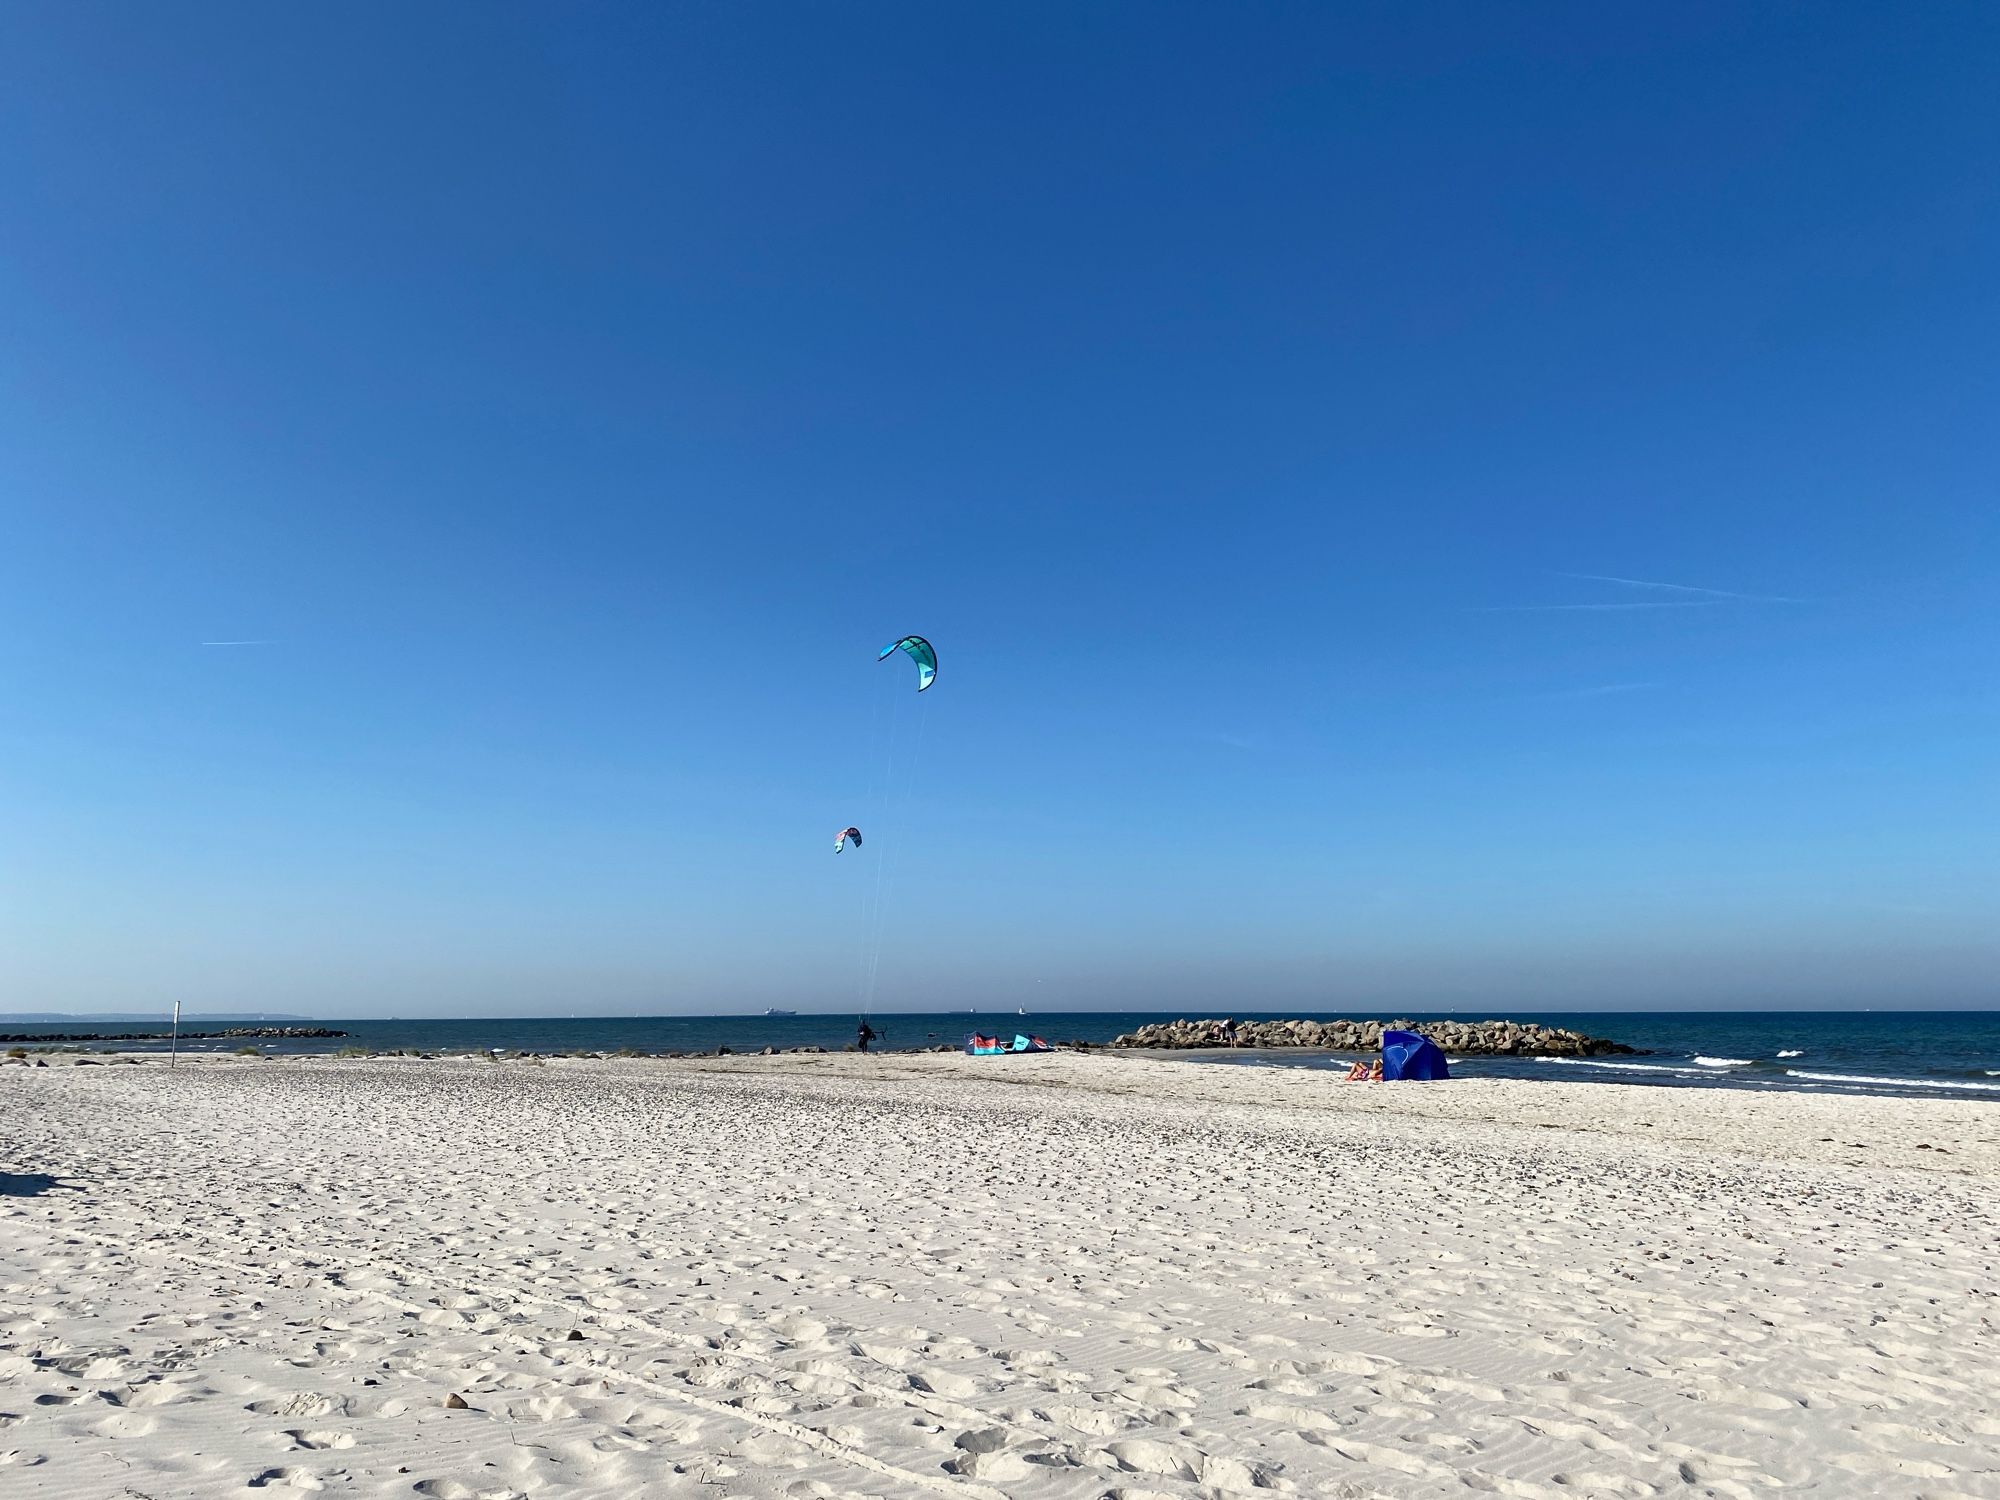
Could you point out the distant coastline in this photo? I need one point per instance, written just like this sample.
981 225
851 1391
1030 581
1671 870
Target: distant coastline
232 1033
150 1018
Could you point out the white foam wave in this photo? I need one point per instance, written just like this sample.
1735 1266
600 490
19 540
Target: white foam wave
1899 1083
1725 1062
1793 1052
1579 1062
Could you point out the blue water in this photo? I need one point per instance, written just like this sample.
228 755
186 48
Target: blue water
1954 1054
1946 1054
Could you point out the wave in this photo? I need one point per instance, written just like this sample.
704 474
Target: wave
1579 1062
1725 1062
1793 1052
1899 1083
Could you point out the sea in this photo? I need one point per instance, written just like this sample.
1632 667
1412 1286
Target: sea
1945 1054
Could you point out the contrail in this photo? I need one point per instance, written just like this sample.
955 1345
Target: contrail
1489 609
237 643
1681 588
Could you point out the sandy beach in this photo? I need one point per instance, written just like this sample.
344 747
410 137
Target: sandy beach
1071 1276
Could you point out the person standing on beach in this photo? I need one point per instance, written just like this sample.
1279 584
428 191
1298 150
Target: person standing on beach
864 1034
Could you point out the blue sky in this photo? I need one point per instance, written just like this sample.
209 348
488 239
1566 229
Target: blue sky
1257 405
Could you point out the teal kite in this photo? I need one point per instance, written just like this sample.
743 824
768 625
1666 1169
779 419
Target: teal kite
919 651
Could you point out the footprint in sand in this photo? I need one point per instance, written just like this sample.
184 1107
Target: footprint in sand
547 1408
298 1479
1607 1484
1217 1476
1291 1385
89 1364
943 1383
1001 1466
123 1425
1295 1417
1161 1398
798 1329
303 1404
982 1440
1144 1456
157 1391
1092 1420
320 1439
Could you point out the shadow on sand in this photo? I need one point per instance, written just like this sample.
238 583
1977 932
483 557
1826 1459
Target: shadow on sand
32 1184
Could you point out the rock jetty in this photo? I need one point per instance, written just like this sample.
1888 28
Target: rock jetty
1470 1038
161 1036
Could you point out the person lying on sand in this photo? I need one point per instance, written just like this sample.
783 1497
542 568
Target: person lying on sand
1356 1073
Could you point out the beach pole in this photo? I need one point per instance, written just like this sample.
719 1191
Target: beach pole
174 1051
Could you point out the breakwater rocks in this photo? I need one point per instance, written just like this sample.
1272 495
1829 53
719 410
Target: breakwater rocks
162 1036
1470 1038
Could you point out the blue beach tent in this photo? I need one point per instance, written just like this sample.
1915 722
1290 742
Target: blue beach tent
1407 1054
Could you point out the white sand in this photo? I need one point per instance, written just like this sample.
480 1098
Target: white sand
1067 1276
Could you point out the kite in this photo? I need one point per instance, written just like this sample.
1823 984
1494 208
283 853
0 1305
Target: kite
919 651
845 836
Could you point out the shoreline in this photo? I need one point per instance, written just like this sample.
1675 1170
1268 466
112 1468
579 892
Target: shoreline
1704 1075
